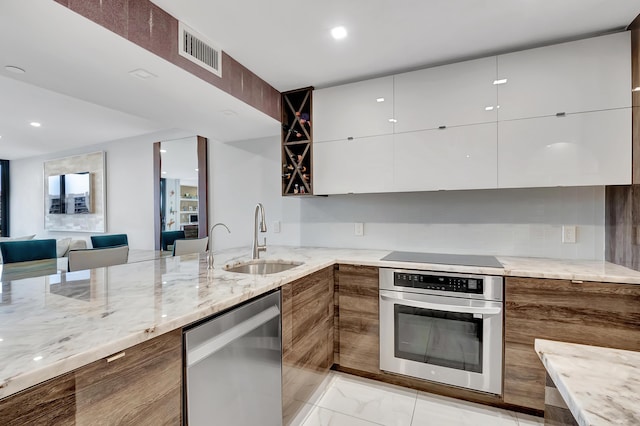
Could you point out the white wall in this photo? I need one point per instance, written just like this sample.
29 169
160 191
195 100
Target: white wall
241 175
516 222
129 192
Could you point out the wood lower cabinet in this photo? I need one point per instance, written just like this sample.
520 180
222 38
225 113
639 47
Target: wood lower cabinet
307 338
143 387
591 313
358 318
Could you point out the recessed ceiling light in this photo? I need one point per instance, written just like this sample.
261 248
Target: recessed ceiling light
164 315
489 108
196 170
229 113
38 358
393 120
501 81
164 173
163 151
35 124
380 100
15 70
339 33
142 74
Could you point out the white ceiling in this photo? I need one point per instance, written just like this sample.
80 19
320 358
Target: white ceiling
91 98
81 63
288 44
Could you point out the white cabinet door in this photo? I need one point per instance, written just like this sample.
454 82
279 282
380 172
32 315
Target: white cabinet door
353 110
449 95
362 165
585 75
580 149
453 158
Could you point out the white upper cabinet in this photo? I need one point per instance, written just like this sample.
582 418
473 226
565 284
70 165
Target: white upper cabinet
453 158
449 95
361 165
585 75
591 148
353 110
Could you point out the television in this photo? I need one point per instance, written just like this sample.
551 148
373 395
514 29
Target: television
70 193
193 218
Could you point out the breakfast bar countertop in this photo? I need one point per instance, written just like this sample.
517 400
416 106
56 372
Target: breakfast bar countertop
601 386
52 324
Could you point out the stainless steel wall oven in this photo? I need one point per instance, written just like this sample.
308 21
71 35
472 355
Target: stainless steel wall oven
442 327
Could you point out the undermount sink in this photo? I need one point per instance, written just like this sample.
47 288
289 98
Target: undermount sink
262 266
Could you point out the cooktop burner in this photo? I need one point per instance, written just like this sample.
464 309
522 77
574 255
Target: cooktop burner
444 258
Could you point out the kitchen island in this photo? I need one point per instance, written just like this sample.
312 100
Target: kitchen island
600 386
53 324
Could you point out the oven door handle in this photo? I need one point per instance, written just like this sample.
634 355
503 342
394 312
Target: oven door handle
444 307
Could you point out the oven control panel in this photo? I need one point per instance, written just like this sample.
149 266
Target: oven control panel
438 282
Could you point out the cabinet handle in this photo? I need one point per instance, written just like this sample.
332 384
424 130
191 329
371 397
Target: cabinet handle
442 127
115 357
561 114
350 138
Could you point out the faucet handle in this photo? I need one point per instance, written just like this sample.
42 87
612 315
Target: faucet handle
264 245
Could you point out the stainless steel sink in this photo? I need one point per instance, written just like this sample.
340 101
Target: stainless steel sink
262 266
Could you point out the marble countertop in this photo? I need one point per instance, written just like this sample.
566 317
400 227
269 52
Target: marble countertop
601 386
56 323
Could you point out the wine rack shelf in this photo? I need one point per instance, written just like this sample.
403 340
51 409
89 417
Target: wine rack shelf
297 142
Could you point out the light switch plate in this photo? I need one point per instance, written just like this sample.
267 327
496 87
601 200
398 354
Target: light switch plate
358 229
276 227
569 234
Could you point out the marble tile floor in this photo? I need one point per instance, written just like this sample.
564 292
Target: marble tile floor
346 400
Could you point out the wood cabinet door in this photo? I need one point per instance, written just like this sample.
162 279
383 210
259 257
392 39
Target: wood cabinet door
143 387
307 338
591 148
590 313
353 110
450 95
358 318
585 75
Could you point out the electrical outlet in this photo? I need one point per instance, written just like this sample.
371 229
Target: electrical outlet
569 234
276 227
358 230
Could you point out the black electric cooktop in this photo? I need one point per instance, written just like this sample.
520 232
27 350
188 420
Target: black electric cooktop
444 258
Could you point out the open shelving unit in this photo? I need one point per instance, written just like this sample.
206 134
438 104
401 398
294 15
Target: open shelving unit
297 142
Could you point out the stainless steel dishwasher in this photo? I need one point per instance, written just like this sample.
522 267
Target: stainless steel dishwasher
234 367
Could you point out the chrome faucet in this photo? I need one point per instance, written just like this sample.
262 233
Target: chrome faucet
210 251
257 248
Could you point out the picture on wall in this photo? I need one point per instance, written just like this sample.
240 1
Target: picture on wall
74 193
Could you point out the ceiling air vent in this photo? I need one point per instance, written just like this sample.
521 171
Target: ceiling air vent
196 48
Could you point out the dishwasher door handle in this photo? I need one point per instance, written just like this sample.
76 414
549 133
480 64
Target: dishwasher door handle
444 307
216 343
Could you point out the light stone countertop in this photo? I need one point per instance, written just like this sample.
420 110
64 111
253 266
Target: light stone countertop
53 324
601 386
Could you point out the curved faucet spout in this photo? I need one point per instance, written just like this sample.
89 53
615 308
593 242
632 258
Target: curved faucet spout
210 251
218 224
257 248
